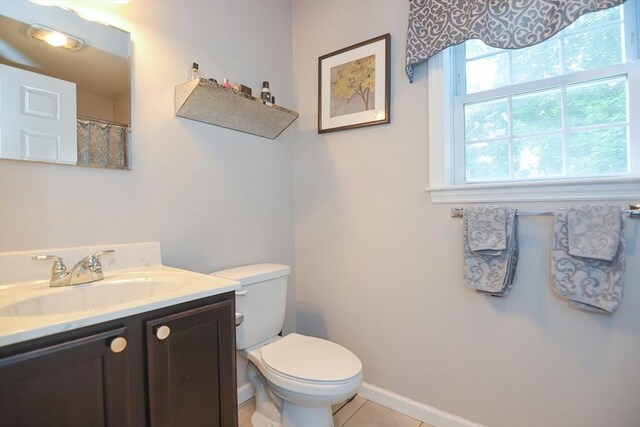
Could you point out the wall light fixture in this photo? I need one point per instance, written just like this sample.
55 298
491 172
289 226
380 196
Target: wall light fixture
54 38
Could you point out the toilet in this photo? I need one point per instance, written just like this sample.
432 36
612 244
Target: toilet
296 377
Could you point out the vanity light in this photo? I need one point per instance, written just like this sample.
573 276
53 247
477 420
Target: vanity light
54 38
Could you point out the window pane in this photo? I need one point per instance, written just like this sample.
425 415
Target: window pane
597 18
519 125
486 120
536 62
537 157
474 48
487 73
537 112
487 161
585 51
598 152
597 103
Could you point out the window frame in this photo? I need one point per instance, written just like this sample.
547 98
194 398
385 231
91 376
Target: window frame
446 144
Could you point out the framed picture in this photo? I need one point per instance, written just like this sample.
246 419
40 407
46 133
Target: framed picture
353 86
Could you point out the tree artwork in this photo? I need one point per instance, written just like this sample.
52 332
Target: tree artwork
353 86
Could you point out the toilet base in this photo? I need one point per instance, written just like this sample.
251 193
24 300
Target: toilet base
303 416
296 416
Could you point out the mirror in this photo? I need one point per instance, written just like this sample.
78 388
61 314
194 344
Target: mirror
69 104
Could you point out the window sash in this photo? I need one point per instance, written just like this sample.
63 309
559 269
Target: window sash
629 69
456 61
442 83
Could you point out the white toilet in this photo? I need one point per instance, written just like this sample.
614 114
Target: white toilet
296 378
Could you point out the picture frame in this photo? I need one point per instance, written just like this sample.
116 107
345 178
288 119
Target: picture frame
354 86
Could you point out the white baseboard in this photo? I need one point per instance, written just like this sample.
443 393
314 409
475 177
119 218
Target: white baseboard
245 392
413 409
398 403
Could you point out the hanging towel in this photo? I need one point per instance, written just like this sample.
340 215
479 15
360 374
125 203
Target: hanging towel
490 271
487 229
594 231
588 284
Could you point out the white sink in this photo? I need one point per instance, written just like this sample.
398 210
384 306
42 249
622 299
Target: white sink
106 293
33 309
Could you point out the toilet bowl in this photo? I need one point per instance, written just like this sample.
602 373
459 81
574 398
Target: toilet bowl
296 377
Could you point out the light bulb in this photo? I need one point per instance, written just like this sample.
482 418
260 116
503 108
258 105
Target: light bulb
56 39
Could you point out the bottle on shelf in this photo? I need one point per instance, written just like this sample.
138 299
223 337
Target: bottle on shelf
226 84
266 94
194 72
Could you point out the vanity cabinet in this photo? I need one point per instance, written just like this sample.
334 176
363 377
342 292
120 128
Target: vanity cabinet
188 366
76 383
177 369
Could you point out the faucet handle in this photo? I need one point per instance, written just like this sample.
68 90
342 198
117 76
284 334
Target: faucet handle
100 253
94 260
58 270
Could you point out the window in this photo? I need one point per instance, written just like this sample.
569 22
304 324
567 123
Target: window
564 111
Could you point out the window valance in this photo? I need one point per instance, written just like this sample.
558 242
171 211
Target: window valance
435 25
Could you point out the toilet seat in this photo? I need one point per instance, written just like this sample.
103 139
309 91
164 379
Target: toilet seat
311 360
315 392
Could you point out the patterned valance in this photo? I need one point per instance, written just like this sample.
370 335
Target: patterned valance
435 25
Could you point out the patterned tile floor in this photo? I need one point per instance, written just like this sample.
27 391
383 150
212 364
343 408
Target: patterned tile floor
359 412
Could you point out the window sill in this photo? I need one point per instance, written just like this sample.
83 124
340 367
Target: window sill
592 189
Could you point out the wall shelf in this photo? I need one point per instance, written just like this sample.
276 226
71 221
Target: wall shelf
207 102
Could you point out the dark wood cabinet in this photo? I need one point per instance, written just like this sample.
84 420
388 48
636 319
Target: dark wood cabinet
186 358
77 383
79 379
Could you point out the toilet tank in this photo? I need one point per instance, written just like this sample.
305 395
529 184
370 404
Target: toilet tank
262 300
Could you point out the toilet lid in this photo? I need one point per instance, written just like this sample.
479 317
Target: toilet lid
311 359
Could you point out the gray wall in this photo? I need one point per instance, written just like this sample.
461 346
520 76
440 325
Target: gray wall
379 268
214 198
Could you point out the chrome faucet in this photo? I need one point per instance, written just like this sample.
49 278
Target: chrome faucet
87 270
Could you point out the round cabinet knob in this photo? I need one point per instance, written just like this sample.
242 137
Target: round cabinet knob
118 344
163 332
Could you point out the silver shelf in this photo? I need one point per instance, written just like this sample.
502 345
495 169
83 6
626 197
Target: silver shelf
210 103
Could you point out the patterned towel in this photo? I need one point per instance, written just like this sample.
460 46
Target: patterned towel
589 284
487 229
594 231
492 271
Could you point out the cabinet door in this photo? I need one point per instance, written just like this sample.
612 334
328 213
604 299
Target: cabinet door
191 368
78 383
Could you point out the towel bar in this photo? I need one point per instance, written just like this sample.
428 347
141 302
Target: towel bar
633 212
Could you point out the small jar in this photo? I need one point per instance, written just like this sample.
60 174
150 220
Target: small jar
266 94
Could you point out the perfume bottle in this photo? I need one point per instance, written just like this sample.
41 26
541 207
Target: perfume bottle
194 72
226 84
266 94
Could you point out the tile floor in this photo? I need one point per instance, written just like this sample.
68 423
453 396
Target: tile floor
359 412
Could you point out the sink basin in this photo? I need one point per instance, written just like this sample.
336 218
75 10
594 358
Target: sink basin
97 295
33 309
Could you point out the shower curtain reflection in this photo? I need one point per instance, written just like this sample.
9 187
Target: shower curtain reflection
103 144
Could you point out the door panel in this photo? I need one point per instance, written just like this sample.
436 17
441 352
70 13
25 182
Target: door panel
38 120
